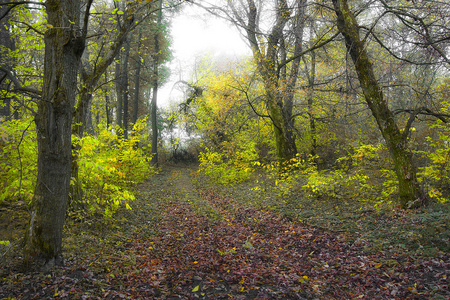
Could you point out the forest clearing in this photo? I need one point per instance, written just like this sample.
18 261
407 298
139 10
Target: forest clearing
313 165
186 238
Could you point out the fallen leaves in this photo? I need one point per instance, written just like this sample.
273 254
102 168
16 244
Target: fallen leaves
231 252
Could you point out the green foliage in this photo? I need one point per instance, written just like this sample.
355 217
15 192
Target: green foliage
356 176
286 176
5 243
18 160
109 166
228 167
437 172
359 176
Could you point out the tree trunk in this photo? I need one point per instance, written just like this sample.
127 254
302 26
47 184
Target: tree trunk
63 49
119 92
137 78
410 194
279 86
125 88
153 116
154 121
107 108
285 142
5 61
310 100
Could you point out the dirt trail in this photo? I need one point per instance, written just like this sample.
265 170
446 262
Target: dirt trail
209 246
182 240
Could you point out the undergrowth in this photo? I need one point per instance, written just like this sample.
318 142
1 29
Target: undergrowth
357 198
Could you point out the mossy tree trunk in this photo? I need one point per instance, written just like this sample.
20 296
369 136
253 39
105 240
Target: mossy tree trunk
64 45
410 194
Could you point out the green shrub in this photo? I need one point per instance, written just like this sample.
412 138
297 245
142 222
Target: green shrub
437 172
228 166
18 160
109 166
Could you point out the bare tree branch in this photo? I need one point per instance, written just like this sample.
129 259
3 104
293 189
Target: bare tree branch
18 85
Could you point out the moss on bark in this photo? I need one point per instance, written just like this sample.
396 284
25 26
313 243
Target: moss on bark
410 194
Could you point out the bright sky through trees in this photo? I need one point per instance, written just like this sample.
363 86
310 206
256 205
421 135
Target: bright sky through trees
194 35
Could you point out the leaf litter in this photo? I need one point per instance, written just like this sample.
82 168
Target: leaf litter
183 243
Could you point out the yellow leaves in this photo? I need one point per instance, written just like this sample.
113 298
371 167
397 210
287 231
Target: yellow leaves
195 289
304 279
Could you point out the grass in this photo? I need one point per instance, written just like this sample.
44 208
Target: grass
379 226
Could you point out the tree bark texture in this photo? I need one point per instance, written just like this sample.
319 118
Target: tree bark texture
279 83
7 43
64 46
410 194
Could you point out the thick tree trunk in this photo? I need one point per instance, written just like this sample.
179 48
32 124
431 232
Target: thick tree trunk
63 50
284 140
410 194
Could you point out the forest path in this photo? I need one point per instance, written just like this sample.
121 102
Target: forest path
184 239
200 244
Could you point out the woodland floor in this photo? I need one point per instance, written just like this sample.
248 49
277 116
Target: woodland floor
188 239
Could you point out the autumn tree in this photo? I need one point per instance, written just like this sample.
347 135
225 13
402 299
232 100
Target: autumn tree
64 46
65 40
268 46
114 39
410 194
276 34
